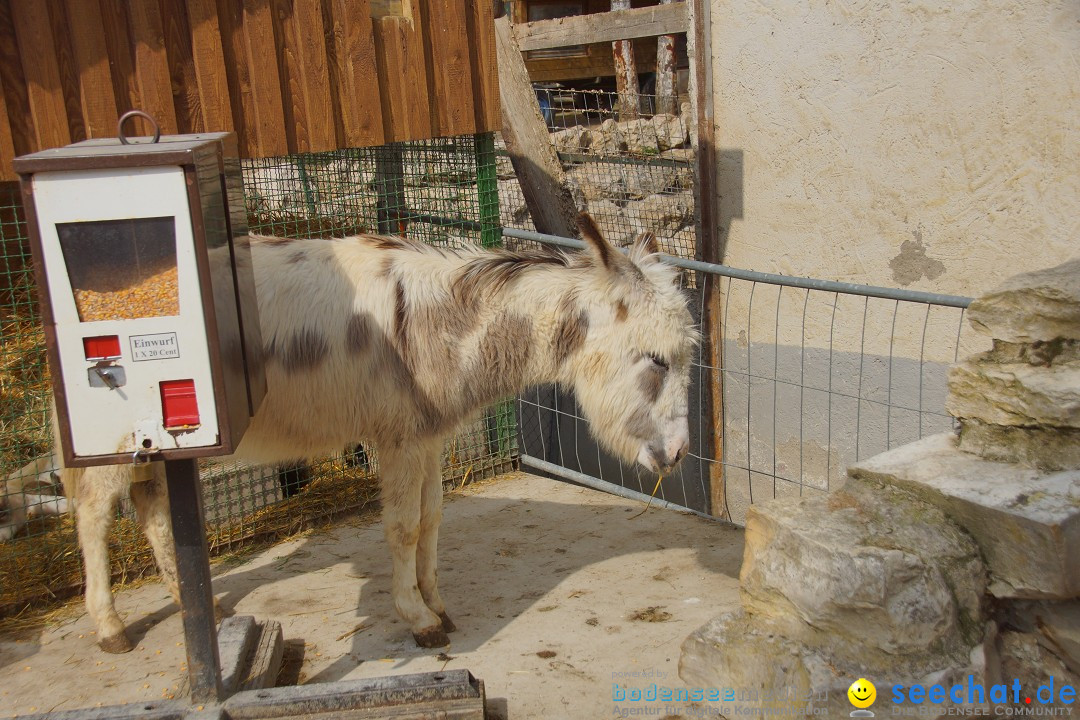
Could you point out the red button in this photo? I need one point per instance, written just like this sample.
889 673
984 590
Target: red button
101 347
178 406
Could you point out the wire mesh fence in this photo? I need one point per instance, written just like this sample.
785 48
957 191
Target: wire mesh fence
441 191
808 381
631 174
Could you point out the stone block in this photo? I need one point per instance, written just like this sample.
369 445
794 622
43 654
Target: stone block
1027 524
661 213
640 136
1035 306
607 138
871 564
1047 449
670 131
1015 393
770 671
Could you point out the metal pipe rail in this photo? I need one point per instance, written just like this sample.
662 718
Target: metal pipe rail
914 296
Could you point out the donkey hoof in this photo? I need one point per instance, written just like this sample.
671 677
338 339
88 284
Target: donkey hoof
432 637
447 624
116 644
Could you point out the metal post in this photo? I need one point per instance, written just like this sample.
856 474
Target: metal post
390 190
193 570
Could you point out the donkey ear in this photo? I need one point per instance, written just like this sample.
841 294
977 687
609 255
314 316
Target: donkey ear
598 247
647 244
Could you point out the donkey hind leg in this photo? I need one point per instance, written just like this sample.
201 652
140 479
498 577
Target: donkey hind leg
427 548
400 470
98 490
150 495
151 499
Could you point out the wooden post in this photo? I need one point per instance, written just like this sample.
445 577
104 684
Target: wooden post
709 250
626 79
528 143
666 100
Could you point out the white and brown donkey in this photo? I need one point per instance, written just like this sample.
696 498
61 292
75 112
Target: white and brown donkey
397 343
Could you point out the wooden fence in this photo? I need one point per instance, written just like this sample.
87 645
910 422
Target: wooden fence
287 76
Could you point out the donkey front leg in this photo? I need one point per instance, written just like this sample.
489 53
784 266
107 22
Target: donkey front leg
403 470
97 491
427 549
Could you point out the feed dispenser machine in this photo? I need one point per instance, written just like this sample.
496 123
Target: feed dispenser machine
147 295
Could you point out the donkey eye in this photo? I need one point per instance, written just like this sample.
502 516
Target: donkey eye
658 361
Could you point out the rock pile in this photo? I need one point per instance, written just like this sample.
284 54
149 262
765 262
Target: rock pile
954 556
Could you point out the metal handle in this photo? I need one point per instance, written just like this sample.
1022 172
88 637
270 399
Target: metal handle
135 113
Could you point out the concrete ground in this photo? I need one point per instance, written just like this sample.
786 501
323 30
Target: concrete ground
559 594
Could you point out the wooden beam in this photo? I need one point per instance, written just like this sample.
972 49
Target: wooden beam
209 58
449 68
528 143
709 250
603 27
354 72
38 53
92 64
666 100
626 79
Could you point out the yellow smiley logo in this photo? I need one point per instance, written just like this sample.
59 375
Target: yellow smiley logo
862 693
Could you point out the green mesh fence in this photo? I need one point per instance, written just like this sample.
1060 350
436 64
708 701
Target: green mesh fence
441 191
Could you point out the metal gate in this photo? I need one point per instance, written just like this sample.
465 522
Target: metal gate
814 376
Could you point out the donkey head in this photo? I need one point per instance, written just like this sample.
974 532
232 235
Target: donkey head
633 370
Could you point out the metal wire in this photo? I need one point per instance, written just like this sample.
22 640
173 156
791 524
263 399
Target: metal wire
866 372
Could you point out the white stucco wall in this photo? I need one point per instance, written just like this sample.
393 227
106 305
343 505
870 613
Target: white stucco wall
929 144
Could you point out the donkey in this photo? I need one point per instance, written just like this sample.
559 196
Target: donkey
395 342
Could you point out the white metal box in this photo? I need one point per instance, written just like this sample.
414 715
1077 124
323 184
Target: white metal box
147 294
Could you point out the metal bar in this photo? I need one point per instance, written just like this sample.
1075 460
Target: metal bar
769 278
604 486
658 162
193 571
487 187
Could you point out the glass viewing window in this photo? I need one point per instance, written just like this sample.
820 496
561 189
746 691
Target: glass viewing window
122 269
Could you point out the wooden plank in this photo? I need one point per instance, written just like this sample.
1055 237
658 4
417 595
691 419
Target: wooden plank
234 49
709 250
602 27
121 53
666 100
303 49
13 83
7 146
449 68
208 57
626 77
65 63
354 73
184 83
267 119
152 81
384 8
528 143
49 126
485 70
402 79
91 58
